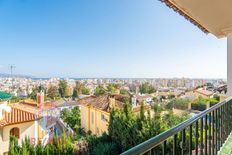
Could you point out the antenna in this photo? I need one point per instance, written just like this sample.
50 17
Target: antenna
11 69
11 73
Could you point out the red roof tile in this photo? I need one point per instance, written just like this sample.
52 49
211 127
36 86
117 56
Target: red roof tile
103 102
17 116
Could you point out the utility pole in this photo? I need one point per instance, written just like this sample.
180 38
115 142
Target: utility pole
11 69
11 73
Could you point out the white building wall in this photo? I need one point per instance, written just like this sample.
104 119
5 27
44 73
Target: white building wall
26 129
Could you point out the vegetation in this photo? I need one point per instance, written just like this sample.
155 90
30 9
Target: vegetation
36 90
80 89
127 129
59 146
112 87
105 149
72 118
64 90
124 92
85 91
146 88
102 145
100 90
15 99
14 148
178 103
75 93
52 92
200 103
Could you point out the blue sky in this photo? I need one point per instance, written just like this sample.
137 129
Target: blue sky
105 38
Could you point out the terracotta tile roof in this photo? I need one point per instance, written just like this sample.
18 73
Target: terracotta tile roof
205 92
17 116
33 107
103 102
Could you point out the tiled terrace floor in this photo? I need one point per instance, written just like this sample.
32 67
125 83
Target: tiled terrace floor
227 148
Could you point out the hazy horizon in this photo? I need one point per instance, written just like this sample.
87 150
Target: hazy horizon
62 77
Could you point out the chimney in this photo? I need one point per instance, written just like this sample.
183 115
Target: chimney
112 101
189 106
4 108
40 98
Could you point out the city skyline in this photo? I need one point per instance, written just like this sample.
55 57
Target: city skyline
126 39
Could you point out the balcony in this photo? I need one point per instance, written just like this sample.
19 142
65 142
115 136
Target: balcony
210 131
206 133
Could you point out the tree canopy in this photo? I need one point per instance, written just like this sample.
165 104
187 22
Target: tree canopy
146 88
112 87
178 103
52 92
128 129
100 90
72 117
36 90
64 89
80 89
59 146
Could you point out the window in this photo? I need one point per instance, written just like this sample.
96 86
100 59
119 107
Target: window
102 117
15 132
92 118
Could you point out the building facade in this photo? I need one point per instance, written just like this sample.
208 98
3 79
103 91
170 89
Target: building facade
95 111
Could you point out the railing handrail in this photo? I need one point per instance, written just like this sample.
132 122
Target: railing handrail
155 141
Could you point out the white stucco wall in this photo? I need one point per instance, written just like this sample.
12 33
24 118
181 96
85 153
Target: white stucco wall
25 129
3 107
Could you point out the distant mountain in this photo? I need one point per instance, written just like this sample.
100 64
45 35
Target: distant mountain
15 75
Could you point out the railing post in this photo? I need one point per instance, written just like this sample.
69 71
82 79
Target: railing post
190 139
165 147
210 133
175 144
183 142
213 134
201 137
220 126
196 140
205 145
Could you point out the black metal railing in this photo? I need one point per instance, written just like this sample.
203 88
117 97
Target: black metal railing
204 133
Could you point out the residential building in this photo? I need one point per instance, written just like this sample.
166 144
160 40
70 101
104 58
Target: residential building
19 123
95 111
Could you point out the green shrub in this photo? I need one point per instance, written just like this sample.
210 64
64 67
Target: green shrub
105 149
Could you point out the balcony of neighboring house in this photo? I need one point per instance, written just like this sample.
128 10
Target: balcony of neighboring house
209 132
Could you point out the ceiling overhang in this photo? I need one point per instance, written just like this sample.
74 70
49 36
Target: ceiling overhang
211 16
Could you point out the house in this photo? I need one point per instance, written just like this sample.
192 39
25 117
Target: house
139 98
204 93
25 119
198 93
19 123
95 111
